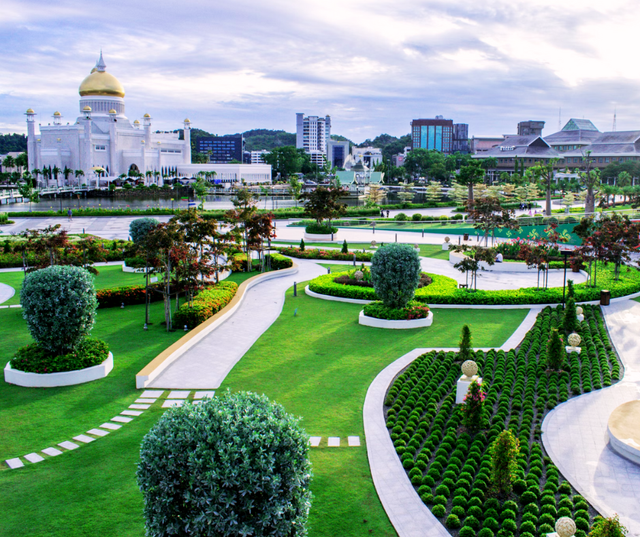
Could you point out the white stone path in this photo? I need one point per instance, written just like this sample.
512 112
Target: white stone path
575 432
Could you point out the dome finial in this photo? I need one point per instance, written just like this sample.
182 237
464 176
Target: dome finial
100 65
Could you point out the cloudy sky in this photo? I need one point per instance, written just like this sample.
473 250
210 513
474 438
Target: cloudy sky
372 65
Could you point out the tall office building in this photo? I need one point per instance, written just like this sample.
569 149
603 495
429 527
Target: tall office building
312 134
439 134
337 153
222 149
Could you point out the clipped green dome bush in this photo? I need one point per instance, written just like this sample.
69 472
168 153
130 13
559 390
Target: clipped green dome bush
140 227
59 305
232 465
395 273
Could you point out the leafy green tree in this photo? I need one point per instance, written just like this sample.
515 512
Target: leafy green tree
545 174
488 214
608 527
140 228
244 209
27 191
234 465
395 273
470 263
295 188
286 161
504 462
570 319
473 407
59 305
323 205
470 175
201 189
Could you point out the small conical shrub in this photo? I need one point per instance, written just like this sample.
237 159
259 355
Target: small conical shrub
570 320
345 247
302 245
555 351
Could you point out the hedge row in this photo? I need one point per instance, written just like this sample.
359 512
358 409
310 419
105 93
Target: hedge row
278 262
444 290
34 359
127 295
450 467
206 304
315 253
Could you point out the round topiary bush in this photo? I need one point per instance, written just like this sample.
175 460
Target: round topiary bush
395 273
232 465
467 531
59 304
438 510
140 227
452 522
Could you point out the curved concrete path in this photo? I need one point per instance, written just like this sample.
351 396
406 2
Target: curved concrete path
575 433
6 292
207 363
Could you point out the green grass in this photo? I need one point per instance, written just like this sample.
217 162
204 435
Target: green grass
109 276
323 373
319 364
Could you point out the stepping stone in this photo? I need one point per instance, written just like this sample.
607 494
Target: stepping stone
354 441
131 412
204 395
152 394
140 407
52 452
334 441
14 463
98 432
111 426
146 401
68 445
314 441
175 402
83 438
178 394
34 457
121 419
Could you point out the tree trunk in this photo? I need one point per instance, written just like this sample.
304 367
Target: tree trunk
548 207
470 191
589 202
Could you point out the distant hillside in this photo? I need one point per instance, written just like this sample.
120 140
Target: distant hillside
12 142
390 145
257 139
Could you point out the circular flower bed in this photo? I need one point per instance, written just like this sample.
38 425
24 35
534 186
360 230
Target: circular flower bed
35 359
413 310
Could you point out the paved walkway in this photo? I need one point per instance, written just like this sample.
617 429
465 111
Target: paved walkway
207 363
6 292
575 433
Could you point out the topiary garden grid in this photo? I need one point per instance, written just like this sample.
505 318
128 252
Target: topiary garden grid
450 467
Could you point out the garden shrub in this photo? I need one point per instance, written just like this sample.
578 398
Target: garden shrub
546 528
452 522
412 310
127 295
473 522
555 351
467 531
140 227
608 527
395 272
504 455
438 510
527 526
315 253
235 464
59 304
206 304
320 229
34 359
491 523
509 524
485 532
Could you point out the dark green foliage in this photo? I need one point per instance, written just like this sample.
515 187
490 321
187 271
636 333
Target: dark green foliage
466 349
555 351
608 527
571 290
412 310
345 247
395 273
491 523
570 320
485 532
452 522
240 455
438 510
140 227
302 245
59 304
321 229
34 359
467 531
504 455
473 407
12 143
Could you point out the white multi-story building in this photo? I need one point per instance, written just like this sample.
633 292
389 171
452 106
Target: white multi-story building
257 157
103 140
312 134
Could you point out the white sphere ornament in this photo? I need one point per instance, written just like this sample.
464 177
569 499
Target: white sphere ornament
358 275
579 311
565 527
447 239
469 368
373 243
574 339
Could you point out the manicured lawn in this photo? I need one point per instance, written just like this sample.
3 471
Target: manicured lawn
318 364
108 276
322 373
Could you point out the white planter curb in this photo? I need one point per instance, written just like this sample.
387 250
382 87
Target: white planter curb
396 325
51 380
336 298
319 237
131 269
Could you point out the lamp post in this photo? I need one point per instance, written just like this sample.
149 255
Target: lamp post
565 254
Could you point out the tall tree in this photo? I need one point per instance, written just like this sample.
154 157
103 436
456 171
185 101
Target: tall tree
244 208
488 214
470 175
286 161
545 174
322 204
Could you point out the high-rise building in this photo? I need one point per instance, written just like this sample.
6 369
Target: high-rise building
222 149
337 153
440 134
312 134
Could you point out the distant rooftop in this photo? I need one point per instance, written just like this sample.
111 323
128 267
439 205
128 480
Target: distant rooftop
579 125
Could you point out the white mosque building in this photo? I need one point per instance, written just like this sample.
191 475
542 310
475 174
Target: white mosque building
103 138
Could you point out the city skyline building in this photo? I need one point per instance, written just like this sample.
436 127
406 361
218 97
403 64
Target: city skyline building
222 149
440 134
312 134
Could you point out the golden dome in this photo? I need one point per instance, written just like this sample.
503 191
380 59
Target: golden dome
99 82
187 120
86 109
30 111
136 122
147 115
112 111
57 114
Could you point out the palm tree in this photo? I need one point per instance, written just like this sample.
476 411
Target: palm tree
56 171
148 174
36 172
9 162
22 161
78 174
156 175
67 172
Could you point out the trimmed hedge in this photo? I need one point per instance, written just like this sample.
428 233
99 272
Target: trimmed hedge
34 359
441 456
206 304
278 262
316 253
128 295
413 310
445 290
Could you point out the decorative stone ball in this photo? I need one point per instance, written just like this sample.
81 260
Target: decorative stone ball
565 527
574 339
469 368
373 243
579 311
416 246
447 239
358 275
